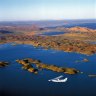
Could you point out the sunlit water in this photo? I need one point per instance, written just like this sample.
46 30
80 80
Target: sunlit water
14 81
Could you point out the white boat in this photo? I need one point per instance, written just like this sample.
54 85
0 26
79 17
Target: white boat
58 79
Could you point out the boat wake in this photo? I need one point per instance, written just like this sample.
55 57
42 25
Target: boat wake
58 79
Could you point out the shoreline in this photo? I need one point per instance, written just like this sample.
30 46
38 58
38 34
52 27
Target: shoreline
88 53
75 39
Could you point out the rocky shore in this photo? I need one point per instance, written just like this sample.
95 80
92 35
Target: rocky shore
3 64
28 62
60 43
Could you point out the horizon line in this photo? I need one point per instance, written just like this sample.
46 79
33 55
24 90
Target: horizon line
46 20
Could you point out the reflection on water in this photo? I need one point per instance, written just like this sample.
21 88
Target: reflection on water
17 82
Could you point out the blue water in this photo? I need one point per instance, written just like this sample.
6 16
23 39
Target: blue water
52 33
88 25
5 32
73 24
69 25
93 42
17 82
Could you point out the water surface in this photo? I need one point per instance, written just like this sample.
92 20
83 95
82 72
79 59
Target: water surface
17 82
52 33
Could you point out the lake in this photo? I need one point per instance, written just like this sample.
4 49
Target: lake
51 33
14 81
88 25
74 24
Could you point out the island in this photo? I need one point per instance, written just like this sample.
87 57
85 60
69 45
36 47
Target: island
28 62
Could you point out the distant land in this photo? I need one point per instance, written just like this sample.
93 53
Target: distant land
82 32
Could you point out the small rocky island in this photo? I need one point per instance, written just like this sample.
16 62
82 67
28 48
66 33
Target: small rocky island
28 62
3 64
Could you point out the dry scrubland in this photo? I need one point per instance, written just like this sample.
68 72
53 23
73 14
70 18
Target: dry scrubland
75 39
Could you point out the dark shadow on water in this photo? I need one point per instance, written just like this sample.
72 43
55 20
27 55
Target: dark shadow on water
5 93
